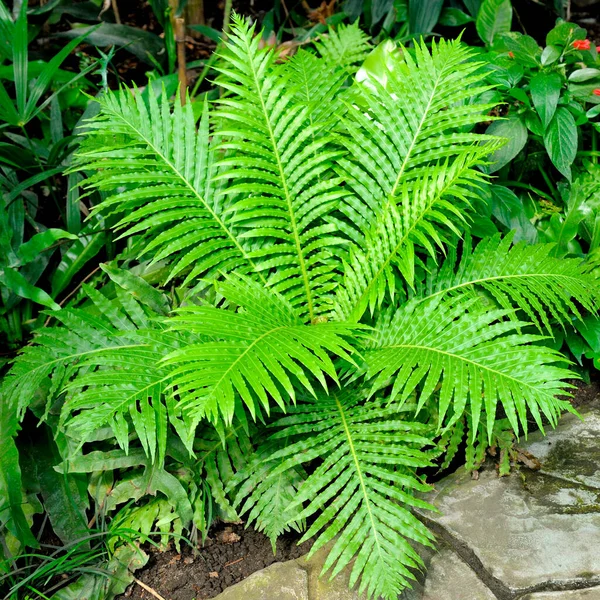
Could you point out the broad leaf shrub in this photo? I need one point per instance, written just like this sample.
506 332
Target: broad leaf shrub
327 326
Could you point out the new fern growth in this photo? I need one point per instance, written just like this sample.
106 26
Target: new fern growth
330 333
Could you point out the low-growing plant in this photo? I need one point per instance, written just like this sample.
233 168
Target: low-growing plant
43 242
327 328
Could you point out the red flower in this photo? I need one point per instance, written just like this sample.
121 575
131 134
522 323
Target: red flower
582 44
511 54
596 92
597 48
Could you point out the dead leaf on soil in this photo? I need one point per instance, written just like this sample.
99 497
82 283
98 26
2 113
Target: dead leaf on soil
228 536
528 459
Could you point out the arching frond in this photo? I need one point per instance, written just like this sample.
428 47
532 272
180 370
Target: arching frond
264 495
363 489
99 357
158 171
412 166
390 246
475 356
343 47
276 158
518 276
119 389
258 354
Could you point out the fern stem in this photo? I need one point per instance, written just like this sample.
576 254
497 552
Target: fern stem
360 475
226 17
192 189
286 192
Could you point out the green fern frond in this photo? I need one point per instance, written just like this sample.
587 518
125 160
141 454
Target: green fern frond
423 116
363 489
343 47
218 457
158 171
119 388
258 354
476 359
423 215
277 160
518 276
99 357
411 163
265 497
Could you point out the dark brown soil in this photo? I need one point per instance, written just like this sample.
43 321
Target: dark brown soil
587 394
223 561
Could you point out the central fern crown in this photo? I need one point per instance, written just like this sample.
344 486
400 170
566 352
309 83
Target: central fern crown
337 317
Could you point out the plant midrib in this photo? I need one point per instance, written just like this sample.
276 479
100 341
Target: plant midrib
462 359
288 199
361 479
187 184
392 193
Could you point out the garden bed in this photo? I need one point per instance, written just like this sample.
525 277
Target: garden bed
230 554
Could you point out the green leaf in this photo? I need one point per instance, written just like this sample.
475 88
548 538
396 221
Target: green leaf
40 242
565 33
515 132
550 55
423 15
583 74
593 112
76 256
126 559
147 46
380 8
589 329
561 141
494 17
63 499
545 92
138 288
17 284
454 17
509 209
12 515
524 48
212 34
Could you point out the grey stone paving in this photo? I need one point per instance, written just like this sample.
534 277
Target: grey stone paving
534 535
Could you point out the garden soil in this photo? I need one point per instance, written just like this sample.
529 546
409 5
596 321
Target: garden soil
230 554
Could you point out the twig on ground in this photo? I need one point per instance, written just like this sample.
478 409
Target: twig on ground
148 589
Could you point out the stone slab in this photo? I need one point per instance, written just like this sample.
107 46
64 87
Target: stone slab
449 578
589 594
533 527
281 581
321 588
572 450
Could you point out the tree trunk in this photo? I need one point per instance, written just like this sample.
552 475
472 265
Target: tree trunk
194 15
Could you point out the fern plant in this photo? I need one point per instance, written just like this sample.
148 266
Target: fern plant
337 321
